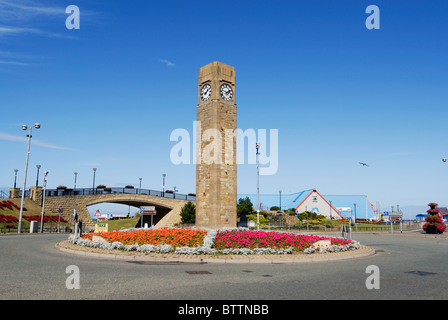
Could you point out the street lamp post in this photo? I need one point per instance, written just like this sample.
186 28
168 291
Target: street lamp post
15 177
257 146
163 184
330 211
140 187
37 178
76 174
93 186
25 127
280 192
43 204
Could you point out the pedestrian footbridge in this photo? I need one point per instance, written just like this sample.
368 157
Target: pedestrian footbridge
167 204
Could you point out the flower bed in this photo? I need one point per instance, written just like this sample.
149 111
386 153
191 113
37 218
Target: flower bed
261 239
174 237
8 218
196 241
9 205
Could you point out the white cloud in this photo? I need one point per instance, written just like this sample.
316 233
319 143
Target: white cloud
12 31
14 63
11 58
168 63
14 55
17 15
10 137
22 10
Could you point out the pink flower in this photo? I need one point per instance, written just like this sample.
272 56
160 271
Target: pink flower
263 239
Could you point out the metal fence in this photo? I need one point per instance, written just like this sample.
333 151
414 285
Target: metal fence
97 191
49 227
385 227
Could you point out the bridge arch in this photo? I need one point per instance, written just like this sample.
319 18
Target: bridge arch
162 209
168 209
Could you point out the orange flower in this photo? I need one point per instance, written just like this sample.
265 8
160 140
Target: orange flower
176 237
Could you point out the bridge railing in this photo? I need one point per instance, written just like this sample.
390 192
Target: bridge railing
95 191
27 193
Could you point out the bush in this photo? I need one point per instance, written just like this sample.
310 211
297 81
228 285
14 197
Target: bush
188 213
253 217
310 216
328 223
299 224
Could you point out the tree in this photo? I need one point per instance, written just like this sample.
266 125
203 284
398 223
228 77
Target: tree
244 206
188 213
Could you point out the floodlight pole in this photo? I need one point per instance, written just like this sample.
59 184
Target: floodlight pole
24 127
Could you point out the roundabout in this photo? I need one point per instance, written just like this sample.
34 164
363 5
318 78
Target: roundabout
178 245
33 266
116 254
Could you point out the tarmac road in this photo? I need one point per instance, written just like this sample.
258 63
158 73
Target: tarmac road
410 267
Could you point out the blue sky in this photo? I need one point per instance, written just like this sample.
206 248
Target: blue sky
109 94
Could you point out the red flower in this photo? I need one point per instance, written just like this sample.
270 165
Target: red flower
180 237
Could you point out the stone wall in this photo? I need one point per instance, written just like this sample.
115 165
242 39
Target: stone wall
14 193
36 194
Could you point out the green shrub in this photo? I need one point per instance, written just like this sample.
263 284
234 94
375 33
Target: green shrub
328 223
253 217
188 213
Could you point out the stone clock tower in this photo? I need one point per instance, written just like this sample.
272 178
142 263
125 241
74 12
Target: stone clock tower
216 197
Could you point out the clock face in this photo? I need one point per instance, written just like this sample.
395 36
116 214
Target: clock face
206 92
226 92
